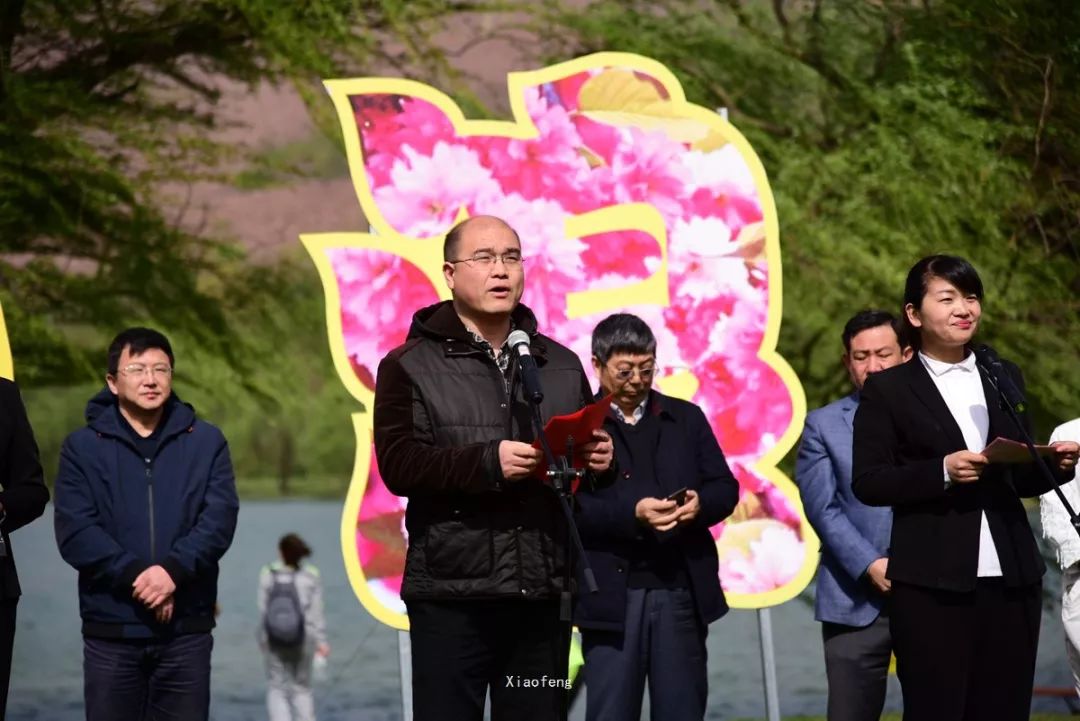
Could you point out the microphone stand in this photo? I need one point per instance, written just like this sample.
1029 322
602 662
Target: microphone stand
562 474
1074 519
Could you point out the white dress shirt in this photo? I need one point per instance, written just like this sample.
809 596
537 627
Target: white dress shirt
961 387
637 415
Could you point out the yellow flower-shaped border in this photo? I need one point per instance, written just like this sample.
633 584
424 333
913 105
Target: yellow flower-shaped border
426 255
7 366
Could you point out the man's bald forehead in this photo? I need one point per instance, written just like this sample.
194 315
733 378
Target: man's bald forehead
484 220
476 223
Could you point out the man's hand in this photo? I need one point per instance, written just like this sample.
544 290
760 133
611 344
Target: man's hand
690 510
876 573
965 466
518 460
323 649
1066 452
153 586
164 612
660 515
598 452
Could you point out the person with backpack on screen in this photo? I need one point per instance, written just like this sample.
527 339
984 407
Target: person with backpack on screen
292 631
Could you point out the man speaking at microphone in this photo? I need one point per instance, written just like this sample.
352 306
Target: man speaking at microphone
487 541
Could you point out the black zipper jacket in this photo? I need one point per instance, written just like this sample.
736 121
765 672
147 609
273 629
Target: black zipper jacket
118 513
441 409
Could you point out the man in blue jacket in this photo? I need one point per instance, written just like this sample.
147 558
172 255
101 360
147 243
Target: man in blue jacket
851 585
145 508
648 541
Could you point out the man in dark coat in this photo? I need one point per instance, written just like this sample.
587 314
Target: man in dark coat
487 553
22 500
146 506
648 540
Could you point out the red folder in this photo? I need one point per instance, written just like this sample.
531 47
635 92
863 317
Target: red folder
579 426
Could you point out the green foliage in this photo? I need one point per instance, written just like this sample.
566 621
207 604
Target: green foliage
315 157
107 112
891 131
284 411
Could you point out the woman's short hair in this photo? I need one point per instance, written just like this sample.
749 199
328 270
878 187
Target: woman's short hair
951 268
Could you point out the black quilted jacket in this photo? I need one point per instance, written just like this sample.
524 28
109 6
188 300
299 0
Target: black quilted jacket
441 408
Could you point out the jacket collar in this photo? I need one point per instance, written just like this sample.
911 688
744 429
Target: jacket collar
439 322
848 406
940 368
1000 422
925 390
657 404
103 415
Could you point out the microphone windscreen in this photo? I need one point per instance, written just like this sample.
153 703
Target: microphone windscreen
518 338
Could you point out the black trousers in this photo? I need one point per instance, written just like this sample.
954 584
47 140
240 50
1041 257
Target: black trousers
460 649
7 642
857 667
662 645
966 656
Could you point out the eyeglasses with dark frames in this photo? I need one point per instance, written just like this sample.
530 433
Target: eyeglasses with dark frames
510 259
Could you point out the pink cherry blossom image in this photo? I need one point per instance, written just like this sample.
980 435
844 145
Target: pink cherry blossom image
374 286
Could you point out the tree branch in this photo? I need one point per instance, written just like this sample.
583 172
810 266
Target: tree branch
95 65
781 18
812 61
1043 112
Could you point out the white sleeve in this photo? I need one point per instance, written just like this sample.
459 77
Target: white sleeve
315 613
266 580
1056 527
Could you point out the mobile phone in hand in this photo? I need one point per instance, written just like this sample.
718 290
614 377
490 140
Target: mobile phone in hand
678 496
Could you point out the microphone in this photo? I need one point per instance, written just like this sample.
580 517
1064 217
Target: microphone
987 359
530 374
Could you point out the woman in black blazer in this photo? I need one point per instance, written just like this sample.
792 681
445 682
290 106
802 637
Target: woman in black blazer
965 569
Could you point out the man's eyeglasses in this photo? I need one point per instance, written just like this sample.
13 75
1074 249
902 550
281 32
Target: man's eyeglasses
625 374
511 259
141 369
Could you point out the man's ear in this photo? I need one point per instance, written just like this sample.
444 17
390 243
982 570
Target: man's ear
907 352
448 274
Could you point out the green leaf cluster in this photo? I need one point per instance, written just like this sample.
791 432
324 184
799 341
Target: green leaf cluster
108 114
109 111
891 131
